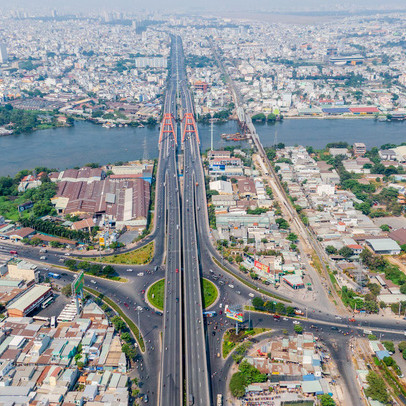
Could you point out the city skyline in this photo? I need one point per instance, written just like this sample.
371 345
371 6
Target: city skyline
208 6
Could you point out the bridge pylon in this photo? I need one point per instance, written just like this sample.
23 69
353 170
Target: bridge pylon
189 127
167 127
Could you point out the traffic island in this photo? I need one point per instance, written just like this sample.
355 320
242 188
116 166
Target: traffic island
156 294
210 293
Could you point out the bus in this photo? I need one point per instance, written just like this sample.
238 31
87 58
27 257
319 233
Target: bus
209 313
54 275
219 399
47 302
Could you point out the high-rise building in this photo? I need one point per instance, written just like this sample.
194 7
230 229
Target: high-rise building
3 53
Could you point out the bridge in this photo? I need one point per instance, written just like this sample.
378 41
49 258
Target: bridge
184 354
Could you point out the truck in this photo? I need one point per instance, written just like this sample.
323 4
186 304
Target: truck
219 399
299 312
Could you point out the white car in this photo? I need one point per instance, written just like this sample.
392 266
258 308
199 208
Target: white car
43 258
129 270
338 318
296 322
285 319
231 286
140 274
93 281
67 254
250 294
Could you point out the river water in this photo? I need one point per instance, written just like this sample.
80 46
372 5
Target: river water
62 148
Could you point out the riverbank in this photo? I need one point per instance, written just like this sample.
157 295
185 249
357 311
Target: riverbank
67 147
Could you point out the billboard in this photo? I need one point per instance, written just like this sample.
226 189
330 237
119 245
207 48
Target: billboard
234 313
102 242
77 284
262 267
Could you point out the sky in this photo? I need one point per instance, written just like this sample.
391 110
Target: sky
196 5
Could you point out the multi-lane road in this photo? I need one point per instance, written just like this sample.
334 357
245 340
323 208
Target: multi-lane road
171 375
182 363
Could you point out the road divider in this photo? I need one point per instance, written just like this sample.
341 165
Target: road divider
131 325
251 285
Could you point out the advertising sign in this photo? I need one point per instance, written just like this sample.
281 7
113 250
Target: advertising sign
101 241
77 284
262 267
234 313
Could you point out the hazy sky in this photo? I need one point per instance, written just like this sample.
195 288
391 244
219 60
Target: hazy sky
209 5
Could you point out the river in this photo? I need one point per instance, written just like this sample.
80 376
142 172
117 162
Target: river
65 147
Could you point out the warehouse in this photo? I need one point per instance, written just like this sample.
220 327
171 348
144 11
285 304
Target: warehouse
384 246
29 301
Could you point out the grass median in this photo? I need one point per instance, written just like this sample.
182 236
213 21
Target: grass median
141 256
131 325
156 293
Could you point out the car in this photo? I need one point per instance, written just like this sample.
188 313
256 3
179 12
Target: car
231 286
296 322
276 316
250 294
67 254
126 305
351 320
213 333
93 281
220 305
43 258
143 291
338 318
334 328
221 312
146 399
285 319
140 274
238 292
129 270
177 270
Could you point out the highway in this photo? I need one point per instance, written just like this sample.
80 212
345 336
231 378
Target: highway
171 375
196 356
187 365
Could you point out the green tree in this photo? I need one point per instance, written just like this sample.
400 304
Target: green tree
258 303
402 346
237 385
389 346
118 323
67 290
376 389
129 351
292 237
126 337
298 329
346 252
259 117
280 308
331 250
385 227
326 400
